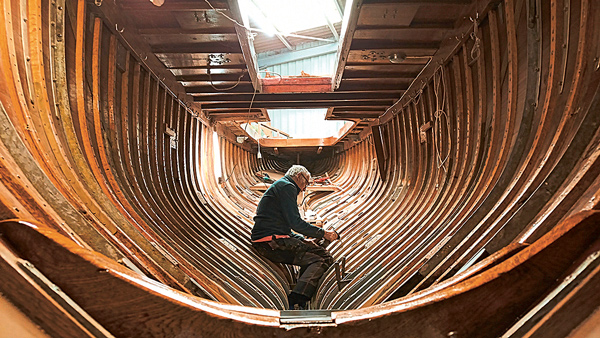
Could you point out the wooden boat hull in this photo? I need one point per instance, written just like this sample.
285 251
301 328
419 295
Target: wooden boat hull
462 206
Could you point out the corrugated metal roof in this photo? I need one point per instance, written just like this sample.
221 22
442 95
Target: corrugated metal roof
321 65
295 15
265 43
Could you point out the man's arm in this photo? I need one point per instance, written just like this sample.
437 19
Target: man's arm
292 215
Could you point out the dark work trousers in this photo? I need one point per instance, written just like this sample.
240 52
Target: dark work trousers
312 259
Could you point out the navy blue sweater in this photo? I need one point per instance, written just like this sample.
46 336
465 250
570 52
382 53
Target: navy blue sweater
277 212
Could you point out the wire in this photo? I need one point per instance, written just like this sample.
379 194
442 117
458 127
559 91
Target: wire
222 89
269 72
249 109
248 121
396 112
232 170
417 97
304 196
252 101
258 139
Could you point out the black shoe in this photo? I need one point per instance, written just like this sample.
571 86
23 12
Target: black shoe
296 307
297 301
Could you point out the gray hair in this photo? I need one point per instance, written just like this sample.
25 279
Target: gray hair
297 169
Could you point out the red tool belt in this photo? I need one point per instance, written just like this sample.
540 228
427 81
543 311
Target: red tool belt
270 238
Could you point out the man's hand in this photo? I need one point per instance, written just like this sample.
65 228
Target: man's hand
330 235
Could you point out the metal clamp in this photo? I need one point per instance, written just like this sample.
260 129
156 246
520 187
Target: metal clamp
340 273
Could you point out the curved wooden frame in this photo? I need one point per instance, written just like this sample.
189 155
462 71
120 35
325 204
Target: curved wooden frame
96 145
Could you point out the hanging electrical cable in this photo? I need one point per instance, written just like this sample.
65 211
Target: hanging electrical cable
249 111
252 101
222 89
259 155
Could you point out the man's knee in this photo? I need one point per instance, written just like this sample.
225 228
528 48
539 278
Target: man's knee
326 262
327 259
315 255
310 258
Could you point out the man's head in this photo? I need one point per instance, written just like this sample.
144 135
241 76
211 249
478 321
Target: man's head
300 175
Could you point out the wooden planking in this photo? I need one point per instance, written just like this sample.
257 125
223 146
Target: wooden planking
191 38
568 305
528 270
52 310
528 201
101 214
383 28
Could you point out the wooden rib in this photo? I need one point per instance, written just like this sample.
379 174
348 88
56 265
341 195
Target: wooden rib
125 287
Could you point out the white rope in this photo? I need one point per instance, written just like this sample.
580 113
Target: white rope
438 80
476 50
418 95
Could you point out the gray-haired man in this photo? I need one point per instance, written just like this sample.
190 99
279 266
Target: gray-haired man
277 214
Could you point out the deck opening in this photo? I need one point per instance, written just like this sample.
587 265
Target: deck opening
294 39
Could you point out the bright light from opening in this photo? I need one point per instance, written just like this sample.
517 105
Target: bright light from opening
248 7
217 156
304 123
289 16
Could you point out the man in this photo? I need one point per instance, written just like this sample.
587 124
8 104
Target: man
276 216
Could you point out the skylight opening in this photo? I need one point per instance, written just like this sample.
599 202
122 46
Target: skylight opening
294 38
304 123
295 123
296 46
290 16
